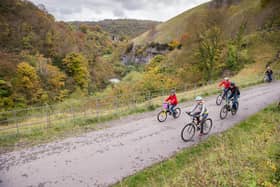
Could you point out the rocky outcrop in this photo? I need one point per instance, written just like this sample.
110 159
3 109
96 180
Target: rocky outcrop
143 54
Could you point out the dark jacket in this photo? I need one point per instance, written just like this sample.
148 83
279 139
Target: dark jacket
269 72
234 91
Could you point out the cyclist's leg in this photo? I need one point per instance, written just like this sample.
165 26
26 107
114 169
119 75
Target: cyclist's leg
168 107
270 77
235 100
227 91
224 93
196 114
230 97
172 109
204 117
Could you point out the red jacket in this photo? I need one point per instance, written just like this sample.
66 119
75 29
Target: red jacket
225 83
172 99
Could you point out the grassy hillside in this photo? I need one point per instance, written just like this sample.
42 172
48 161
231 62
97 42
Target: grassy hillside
246 155
228 15
216 39
123 28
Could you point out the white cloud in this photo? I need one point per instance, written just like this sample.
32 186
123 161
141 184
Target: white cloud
93 10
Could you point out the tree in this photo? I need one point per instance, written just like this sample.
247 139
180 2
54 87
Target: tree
5 89
76 66
5 30
232 58
27 83
53 80
234 51
209 51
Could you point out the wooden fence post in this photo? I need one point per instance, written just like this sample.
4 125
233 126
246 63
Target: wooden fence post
16 122
96 108
48 116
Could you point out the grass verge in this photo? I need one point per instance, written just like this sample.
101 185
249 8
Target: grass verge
246 155
33 135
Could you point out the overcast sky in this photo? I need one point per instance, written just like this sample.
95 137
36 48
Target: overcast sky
94 10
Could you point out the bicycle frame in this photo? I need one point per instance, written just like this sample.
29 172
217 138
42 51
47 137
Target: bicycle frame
194 119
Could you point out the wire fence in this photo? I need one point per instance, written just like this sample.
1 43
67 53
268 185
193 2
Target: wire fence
17 121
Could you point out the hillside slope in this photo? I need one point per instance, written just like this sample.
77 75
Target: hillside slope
215 39
228 14
43 61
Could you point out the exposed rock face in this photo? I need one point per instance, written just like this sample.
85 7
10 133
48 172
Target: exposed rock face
143 54
223 3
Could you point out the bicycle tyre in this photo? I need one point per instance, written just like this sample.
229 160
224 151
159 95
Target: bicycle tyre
189 130
219 100
223 112
208 122
234 111
178 113
162 116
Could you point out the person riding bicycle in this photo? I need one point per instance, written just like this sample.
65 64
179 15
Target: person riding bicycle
235 94
226 84
268 74
199 110
172 100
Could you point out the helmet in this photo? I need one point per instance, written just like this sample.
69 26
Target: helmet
198 98
226 78
232 84
172 91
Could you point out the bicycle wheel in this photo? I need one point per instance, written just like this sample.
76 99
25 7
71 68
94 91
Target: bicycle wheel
234 110
219 99
224 112
188 132
177 113
162 115
207 126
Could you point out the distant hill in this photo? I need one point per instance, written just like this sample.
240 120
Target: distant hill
128 28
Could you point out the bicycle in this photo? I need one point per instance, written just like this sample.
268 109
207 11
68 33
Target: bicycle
189 130
162 115
229 107
221 97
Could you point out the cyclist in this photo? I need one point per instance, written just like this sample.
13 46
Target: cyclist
172 100
200 110
226 84
235 94
268 74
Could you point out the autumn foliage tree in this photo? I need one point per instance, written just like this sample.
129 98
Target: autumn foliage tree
27 83
52 79
158 75
76 66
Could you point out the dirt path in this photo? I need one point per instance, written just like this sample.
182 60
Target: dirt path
104 157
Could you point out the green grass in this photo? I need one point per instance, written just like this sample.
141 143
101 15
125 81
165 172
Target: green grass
246 155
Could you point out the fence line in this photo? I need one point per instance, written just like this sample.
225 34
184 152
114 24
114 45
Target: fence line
15 121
